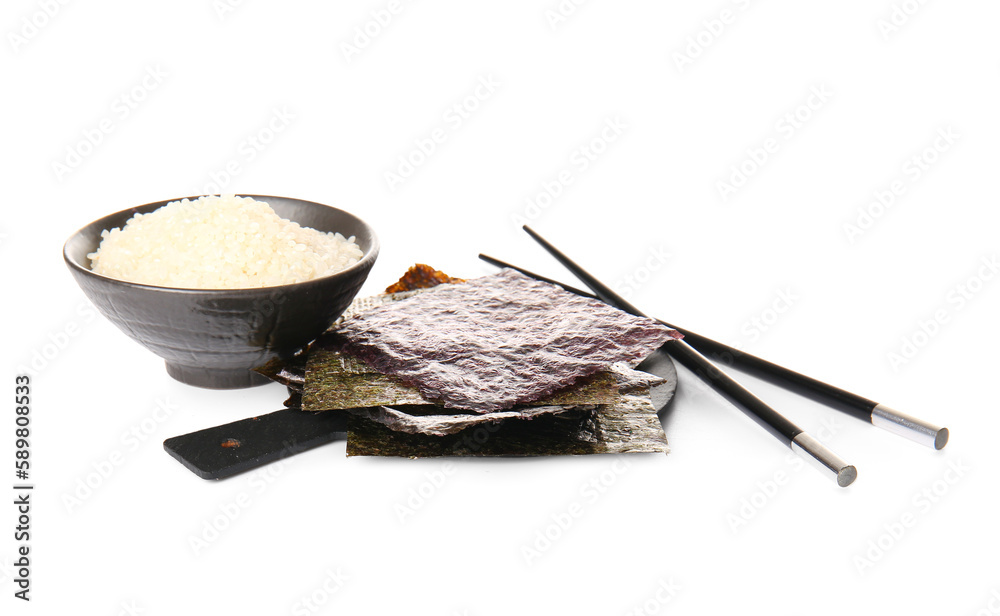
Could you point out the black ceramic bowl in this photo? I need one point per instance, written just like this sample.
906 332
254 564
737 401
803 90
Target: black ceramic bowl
214 337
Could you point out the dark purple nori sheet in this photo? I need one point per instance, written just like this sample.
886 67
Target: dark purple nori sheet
496 341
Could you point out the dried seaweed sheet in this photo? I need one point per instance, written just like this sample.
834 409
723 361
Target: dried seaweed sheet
289 372
421 276
426 420
335 380
364 304
496 341
628 426
629 379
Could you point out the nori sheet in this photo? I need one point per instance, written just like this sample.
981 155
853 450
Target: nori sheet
364 304
289 372
628 426
497 341
630 379
335 380
430 420
338 381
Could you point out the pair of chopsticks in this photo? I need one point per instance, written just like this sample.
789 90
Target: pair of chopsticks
689 353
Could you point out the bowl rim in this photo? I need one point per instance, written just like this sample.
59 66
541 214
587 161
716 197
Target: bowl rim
367 259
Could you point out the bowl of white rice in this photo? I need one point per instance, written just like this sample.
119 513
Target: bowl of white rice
220 285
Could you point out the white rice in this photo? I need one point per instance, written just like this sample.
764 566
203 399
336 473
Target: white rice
224 242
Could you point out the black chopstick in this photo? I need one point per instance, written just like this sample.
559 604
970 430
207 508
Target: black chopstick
878 414
780 427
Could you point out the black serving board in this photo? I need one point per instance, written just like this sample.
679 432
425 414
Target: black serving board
233 448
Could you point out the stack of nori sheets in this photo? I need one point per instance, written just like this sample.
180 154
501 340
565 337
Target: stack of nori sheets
499 365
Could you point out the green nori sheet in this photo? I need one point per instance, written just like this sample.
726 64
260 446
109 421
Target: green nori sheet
335 380
630 425
338 381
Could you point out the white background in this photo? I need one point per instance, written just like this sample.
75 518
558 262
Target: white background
699 92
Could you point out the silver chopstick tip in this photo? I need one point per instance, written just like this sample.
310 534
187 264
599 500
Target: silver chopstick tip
817 454
846 475
917 430
941 439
